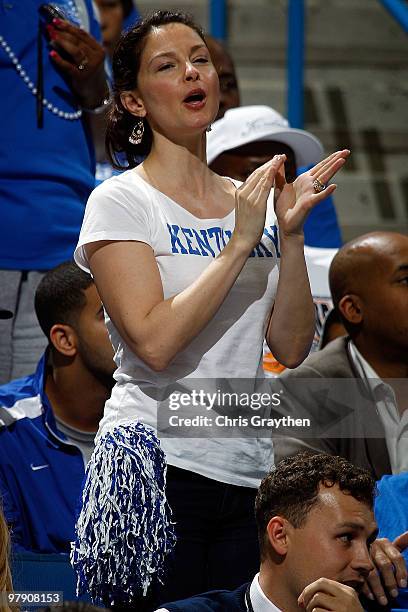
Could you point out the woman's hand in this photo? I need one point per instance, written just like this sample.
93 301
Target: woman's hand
294 201
86 71
251 199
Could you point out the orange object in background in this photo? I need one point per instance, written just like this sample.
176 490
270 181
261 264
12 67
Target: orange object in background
271 366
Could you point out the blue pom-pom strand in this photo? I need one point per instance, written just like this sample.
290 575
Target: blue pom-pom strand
124 531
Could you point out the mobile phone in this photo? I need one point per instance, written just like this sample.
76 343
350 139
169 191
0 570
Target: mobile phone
47 13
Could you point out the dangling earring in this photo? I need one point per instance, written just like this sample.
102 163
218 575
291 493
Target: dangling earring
209 128
136 135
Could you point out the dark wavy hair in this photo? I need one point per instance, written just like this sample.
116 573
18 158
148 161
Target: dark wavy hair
125 68
291 490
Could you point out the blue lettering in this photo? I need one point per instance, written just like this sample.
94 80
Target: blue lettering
197 242
187 232
273 237
175 240
203 243
224 237
260 246
217 232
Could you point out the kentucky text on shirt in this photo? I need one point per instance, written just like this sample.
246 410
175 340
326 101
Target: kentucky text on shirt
211 241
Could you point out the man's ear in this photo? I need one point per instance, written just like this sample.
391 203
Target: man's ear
64 339
133 103
277 534
350 307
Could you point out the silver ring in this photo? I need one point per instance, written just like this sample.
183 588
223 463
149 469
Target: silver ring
318 186
83 64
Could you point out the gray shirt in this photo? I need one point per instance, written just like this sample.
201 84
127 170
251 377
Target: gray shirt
84 440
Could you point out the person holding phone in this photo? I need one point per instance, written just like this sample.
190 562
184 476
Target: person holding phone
194 270
52 70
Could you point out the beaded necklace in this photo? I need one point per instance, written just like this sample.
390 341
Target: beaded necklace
23 74
72 14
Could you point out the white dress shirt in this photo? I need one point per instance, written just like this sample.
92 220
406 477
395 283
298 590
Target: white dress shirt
395 425
259 601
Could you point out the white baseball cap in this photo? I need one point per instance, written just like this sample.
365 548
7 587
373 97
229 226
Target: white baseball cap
245 124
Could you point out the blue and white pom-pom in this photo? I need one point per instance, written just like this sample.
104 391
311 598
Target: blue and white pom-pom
124 530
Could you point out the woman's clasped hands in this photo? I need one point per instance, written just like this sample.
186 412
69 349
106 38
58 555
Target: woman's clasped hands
293 201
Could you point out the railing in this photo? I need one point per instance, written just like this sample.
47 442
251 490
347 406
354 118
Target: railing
295 62
295 46
218 18
399 10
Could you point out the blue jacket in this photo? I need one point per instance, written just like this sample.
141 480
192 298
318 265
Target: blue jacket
391 507
41 473
218 601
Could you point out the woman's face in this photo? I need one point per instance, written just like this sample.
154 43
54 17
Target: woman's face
178 89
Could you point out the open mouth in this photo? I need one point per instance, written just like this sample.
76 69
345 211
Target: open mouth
195 97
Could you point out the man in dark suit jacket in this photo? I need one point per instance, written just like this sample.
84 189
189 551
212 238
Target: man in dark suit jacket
369 285
315 526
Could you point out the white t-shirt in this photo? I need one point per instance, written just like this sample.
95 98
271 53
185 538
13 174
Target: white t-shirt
126 207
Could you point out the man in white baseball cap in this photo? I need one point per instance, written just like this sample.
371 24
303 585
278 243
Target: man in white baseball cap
248 136
244 139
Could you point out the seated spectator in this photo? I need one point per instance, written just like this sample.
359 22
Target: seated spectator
243 140
321 228
249 136
368 282
316 525
48 419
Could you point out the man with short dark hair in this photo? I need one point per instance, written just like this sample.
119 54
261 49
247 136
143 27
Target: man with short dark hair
315 522
316 526
369 285
48 420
